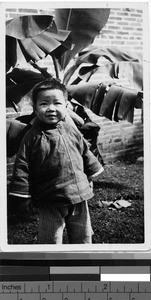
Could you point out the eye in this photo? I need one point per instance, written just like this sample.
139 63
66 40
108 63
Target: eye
58 103
43 104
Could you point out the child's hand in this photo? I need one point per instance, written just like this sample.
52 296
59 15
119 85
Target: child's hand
25 205
91 185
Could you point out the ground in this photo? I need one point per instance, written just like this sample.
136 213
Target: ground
126 225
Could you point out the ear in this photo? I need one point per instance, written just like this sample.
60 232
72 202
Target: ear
67 103
34 109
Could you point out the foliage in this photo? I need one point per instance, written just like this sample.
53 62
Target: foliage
97 72
112 61
84 24
35 37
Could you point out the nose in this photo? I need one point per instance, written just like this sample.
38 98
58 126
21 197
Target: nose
51 107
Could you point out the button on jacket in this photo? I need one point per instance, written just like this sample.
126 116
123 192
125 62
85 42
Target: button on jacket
53 165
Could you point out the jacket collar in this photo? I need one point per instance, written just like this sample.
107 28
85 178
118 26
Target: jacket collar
43 126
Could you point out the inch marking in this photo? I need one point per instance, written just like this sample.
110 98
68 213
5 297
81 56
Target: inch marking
43 290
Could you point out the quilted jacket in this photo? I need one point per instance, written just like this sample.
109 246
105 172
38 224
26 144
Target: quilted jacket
53 164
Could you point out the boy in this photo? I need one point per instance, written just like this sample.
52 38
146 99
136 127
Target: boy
54 166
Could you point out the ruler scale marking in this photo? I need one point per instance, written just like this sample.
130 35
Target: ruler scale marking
86 287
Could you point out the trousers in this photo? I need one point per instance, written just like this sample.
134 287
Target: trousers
75 218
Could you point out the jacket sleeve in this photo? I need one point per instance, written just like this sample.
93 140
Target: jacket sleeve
92 167
20 184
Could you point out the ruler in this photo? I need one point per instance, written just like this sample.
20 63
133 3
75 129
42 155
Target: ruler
75 290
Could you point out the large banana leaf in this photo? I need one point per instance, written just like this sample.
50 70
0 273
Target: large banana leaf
126 73
110 61
29 26
113 54
118 67
15 131
19 82
33 37
84 24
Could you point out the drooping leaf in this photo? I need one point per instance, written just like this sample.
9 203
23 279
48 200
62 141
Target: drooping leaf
65 45
115 103
106 71
84 24
21 76
123 73
70 72
111 61
11 53
35 37
39 46
15 131
28 26
19 82
113 54
133 71
87 70
83 92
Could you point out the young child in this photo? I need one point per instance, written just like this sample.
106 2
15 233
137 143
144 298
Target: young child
55 167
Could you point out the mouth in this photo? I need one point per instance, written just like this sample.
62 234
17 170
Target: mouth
51 116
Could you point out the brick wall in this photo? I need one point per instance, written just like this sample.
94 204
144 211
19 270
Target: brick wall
121 140
15 12
123 29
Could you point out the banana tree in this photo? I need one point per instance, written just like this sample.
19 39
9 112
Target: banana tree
34 37
106 80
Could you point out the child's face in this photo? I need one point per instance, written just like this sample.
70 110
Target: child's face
50 107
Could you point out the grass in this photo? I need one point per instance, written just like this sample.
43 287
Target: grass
119 180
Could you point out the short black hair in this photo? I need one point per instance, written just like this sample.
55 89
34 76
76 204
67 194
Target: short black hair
48 84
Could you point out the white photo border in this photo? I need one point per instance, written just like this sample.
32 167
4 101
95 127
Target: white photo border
94 248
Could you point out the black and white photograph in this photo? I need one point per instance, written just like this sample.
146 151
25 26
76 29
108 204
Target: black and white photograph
77 126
